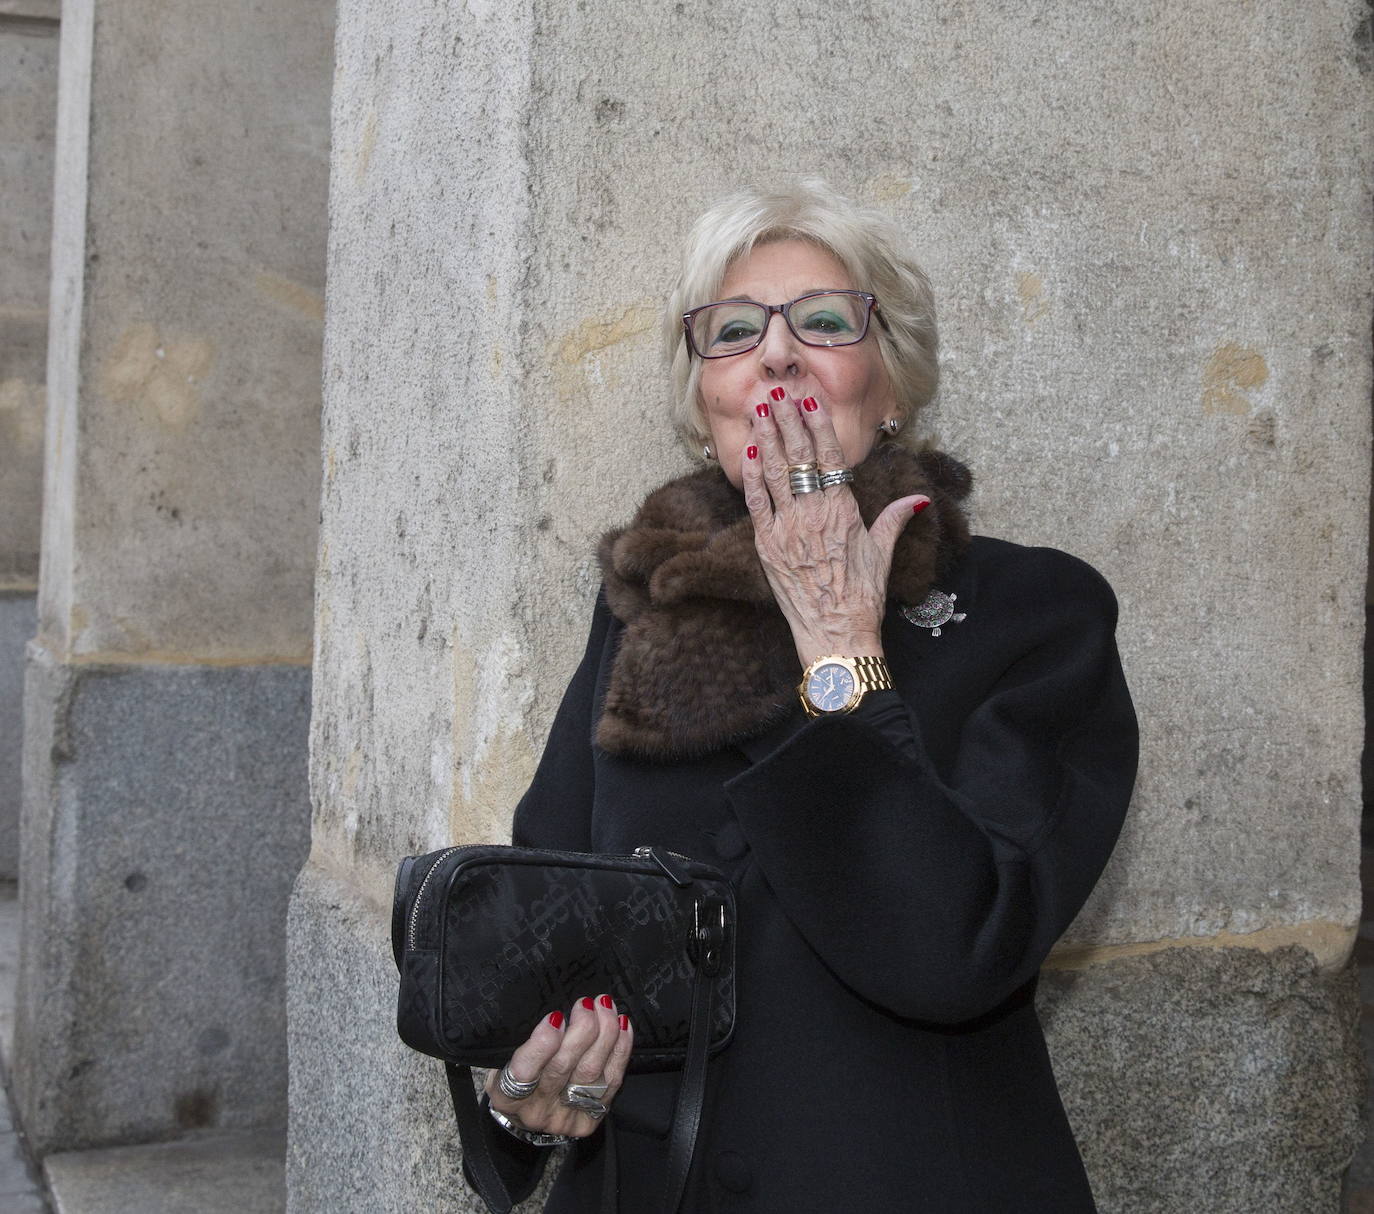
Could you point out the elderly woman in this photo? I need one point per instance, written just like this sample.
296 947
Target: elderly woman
910 750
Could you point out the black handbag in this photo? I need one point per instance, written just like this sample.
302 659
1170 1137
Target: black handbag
488 939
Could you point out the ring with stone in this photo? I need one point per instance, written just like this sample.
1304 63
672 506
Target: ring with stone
837 476
513 1088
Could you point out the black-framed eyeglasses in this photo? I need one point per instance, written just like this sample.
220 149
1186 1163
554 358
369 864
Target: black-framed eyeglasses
736 326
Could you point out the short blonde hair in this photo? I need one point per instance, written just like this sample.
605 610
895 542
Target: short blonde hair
868 244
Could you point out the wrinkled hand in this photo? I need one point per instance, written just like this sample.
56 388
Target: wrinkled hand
828 571
592 1047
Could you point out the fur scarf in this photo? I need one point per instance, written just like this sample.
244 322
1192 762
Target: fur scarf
706 658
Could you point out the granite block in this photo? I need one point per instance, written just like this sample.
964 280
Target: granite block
1228 1080
165 820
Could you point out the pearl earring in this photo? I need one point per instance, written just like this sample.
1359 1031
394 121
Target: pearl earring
890 426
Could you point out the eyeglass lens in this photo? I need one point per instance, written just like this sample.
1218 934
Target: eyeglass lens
830 319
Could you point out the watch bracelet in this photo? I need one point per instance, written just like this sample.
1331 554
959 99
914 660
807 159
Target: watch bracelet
874 673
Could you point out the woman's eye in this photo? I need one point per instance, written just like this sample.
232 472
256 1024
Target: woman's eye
735 330
825 322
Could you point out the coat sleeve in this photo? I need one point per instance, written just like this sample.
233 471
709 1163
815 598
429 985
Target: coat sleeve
555 811
937 894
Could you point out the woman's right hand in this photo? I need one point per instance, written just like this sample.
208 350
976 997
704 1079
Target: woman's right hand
592 1047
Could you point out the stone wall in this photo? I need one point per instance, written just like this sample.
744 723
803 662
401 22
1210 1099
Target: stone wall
28 113
1148 229
167 700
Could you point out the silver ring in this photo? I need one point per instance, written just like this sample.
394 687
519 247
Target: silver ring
513 1088
593 1108
586 1098
804 478
837 476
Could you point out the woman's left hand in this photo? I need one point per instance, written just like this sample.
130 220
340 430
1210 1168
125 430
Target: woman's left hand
828 571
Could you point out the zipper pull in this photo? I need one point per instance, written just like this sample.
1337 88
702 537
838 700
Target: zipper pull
664 859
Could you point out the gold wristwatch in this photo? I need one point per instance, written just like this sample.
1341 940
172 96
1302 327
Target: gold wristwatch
835 685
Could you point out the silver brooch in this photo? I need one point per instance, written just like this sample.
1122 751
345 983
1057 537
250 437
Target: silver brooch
934 611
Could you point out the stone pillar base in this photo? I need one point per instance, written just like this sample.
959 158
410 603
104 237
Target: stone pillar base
1219 1079
165 817
18 623
371 1125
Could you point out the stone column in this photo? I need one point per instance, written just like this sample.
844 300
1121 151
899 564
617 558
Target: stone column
1148 230
168 689
28 112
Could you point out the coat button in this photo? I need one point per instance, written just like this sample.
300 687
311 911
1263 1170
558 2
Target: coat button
732 1173
729 842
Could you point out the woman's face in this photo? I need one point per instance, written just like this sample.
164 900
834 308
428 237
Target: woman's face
850 381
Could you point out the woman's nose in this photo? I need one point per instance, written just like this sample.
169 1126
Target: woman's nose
779 353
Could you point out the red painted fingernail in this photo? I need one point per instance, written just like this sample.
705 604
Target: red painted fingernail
919 506
624 1023
556 1019
607 1001
751 451
809 404
761 408
588 1003
778 393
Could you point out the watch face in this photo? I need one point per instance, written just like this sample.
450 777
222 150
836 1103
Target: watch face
830 687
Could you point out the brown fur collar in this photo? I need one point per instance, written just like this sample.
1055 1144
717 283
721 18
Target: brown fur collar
706 658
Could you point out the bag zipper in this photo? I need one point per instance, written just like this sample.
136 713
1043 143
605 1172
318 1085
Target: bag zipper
646 853
420 893
660 856
639 853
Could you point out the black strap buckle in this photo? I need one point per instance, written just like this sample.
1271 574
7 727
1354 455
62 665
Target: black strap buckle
708 933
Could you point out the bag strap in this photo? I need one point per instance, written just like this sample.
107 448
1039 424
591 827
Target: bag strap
691 1096
610 1169
476 1153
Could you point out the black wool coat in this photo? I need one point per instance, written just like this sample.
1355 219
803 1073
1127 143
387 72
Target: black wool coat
901 875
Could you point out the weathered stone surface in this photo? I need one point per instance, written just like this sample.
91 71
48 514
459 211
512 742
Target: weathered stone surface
28 115
167 722
1220 1079
21 1189
18 619
26 14
165 819
1095 342
208 1174
343 1150
28 90
9 967
347 1149
180 496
